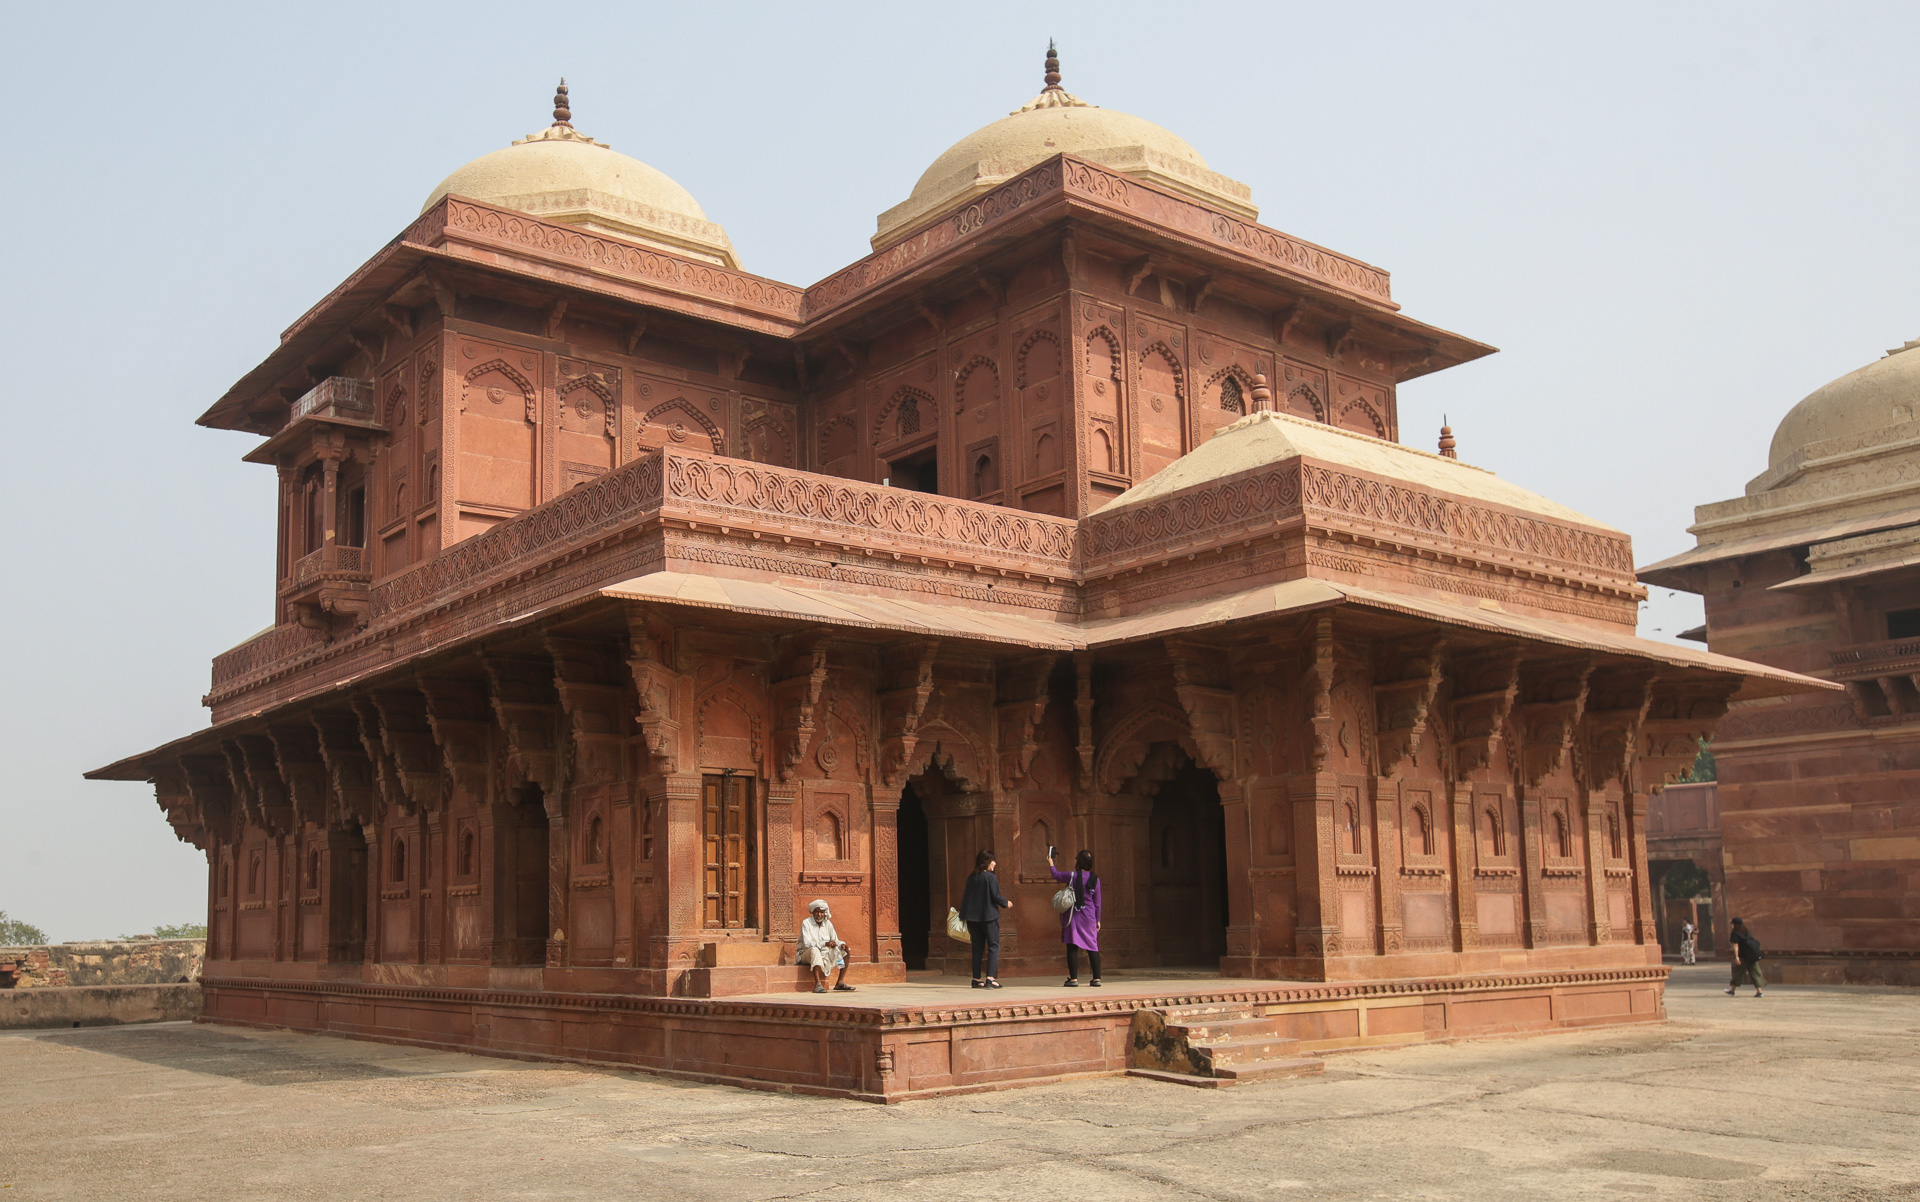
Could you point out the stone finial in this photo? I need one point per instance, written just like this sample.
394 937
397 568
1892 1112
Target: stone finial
1053 67
562 114
1262 395
1446 440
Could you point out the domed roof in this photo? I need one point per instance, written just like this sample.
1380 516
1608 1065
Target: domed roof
1056 122
563 176
1885 392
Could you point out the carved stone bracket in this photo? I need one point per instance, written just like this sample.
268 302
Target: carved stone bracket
901 708
1484 692
209 783
348 768
1020 702
296 752
1200 681
1404 705
595 707
460 718
796 698
1554 697
656 688
1616 707
1318 685
256 781
1680 714
408 739
386 776
527 711
176 801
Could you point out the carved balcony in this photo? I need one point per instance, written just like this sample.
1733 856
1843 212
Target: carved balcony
1883 678
329 587
334 401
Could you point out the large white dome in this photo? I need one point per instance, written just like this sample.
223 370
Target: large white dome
1056 122
563 176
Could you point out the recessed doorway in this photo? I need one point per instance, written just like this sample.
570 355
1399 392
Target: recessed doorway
1188 828
918 472
914 881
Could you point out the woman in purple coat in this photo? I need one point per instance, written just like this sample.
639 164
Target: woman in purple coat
1080 926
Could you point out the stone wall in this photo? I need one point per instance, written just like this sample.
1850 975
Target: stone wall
116 962
98 1005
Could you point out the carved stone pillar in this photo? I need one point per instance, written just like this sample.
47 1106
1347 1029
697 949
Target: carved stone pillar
1388 927
559 880
884 809
376 871
780 923
1597 887
1239 867
1533 889
1317 926
1466 905
678 889
344 900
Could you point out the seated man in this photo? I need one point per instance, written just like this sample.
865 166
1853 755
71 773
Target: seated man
821 949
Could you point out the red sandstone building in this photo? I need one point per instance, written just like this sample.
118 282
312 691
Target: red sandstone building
626 602
1817 569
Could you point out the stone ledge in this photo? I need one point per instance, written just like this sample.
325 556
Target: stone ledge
97 1005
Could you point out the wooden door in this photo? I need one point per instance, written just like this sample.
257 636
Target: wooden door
726 849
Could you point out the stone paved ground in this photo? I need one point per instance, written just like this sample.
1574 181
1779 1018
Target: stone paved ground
1807 1093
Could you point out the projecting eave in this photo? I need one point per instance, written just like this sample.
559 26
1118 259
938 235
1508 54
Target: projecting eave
458 235
1118 216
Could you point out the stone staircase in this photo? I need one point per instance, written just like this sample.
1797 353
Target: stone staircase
1214 1045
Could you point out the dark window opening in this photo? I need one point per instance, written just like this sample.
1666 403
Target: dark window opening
355 534
398 869
1903 624
919 473
909 416
985 478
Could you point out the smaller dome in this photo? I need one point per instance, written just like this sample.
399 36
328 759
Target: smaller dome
563 176
1884 393
1057 122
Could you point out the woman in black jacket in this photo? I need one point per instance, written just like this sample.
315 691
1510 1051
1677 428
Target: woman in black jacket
980 908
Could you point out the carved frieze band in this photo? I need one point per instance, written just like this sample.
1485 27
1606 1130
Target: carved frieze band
1233 508
686 275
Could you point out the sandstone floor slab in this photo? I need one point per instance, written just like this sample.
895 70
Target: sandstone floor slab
1807 1093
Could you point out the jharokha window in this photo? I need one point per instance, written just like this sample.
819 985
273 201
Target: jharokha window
726 847
1231 398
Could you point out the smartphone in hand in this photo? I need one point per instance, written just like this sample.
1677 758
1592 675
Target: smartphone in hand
1049 851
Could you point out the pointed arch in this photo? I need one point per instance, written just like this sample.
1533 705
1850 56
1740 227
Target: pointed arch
1367 414
922 402
966 373
1025 354
1111 353
1306 395
1239 379
610 409
692 415
527 394
1124 750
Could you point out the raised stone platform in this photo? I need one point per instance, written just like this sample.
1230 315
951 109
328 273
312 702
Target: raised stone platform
891 1043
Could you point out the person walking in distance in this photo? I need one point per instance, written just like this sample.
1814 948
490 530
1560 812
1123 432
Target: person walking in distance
980 907
1689 942
1080 926
1746 959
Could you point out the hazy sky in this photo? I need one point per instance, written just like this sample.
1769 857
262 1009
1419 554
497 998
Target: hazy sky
1675 220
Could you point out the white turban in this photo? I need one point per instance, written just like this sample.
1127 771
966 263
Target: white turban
817 904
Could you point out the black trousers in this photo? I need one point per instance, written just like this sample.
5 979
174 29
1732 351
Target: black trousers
1073 961
986 942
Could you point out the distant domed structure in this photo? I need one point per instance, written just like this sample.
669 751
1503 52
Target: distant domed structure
1057 122
1884 393
561 175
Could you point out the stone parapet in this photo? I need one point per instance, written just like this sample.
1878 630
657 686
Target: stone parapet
108 962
